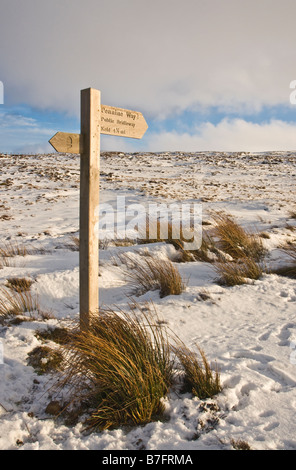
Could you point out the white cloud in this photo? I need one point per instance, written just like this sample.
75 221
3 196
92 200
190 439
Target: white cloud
229 136
32 149
158 56
21 134
13 120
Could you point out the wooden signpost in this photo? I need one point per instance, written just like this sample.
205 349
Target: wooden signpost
96 119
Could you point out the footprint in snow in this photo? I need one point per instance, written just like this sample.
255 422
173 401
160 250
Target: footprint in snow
259 357
285 334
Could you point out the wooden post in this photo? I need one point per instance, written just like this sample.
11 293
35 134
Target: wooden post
89 203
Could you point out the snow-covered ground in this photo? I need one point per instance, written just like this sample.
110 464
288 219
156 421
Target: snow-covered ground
249 330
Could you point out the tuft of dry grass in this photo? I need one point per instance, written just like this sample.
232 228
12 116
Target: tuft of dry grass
239 444
19 303
19 284
207 249
290 249
44 359
121 366
207 252
151 273
120 369
240 253
289 270
13 248
264 235
236 273
9 250
235 240
123 242
164 232
59 335
200 378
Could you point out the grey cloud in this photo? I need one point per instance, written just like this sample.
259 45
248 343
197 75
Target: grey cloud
156 56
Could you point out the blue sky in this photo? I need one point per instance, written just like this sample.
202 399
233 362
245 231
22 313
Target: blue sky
27 130
206 74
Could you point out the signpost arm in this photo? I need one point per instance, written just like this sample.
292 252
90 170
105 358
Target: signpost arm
89 205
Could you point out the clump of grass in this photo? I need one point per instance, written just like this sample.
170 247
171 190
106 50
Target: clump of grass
57 334
9 250
239 444
204 295
45 359
226 237
19 303
120 369
289 270
290 249
208 251
13 248
235 240
19 284
165 232
123 242
122 366
151 273
240 252
236 273
264 235
200 378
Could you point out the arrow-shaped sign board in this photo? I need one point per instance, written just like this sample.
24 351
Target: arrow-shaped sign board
114 121
122 122
66 143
